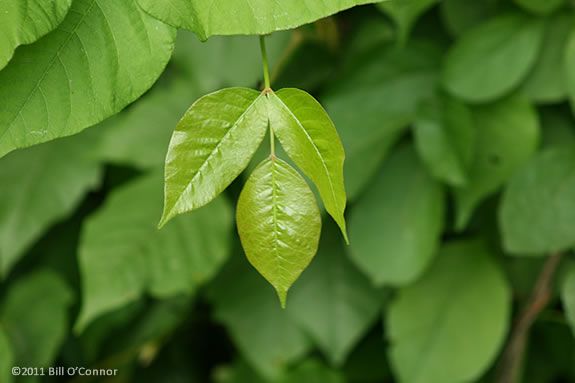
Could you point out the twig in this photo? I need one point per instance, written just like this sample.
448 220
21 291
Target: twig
512 359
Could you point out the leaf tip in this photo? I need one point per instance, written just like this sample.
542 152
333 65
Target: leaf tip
282 295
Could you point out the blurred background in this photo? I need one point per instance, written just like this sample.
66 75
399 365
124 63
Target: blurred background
425 292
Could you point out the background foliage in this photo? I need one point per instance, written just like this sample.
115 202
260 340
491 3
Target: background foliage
457 119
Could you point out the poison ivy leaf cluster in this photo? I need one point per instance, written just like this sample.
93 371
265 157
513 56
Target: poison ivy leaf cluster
439 134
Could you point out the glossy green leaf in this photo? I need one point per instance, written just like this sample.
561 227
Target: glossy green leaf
309 137
568 297
405 13
506 48
507 135
333 302
212 144
265 334
382 92
449 326
228 17
36 331
538 210
6 359
104 55
23 22
41 186
279 223
444 137
119 265
396 227
541 7
547 81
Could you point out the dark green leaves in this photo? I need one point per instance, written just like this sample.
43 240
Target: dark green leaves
120 265
34 315
570 65
103 56
395 228
507 134
405 13
211 146
538 209
279 223
49 190
309 137
23 22
229 17
459 309
491 60
568 297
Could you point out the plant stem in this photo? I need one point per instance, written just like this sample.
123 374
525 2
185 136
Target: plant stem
512 358
267 89
267 84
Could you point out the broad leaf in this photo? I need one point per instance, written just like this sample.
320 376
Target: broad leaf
449 326
309 137
568 297
212 144
507 134
506 48
444 136
36 331
104 55
542 7
123 255
279 223
538 209
23 22
382 91
396 227
547 82
405 13
229 17
6 359
333 302
264 333
41 186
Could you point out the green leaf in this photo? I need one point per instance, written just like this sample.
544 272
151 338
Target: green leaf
382 91
540 7
312 371
459 16
36 331
212 144
104 55
122 255
444 137
140 134
568 297
333 302
228 17
405 13
309 137
41 186
570 68
23 22
460 309
538 210
396 227
279 223
507 134
547 82
6 359
506 48
265 334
